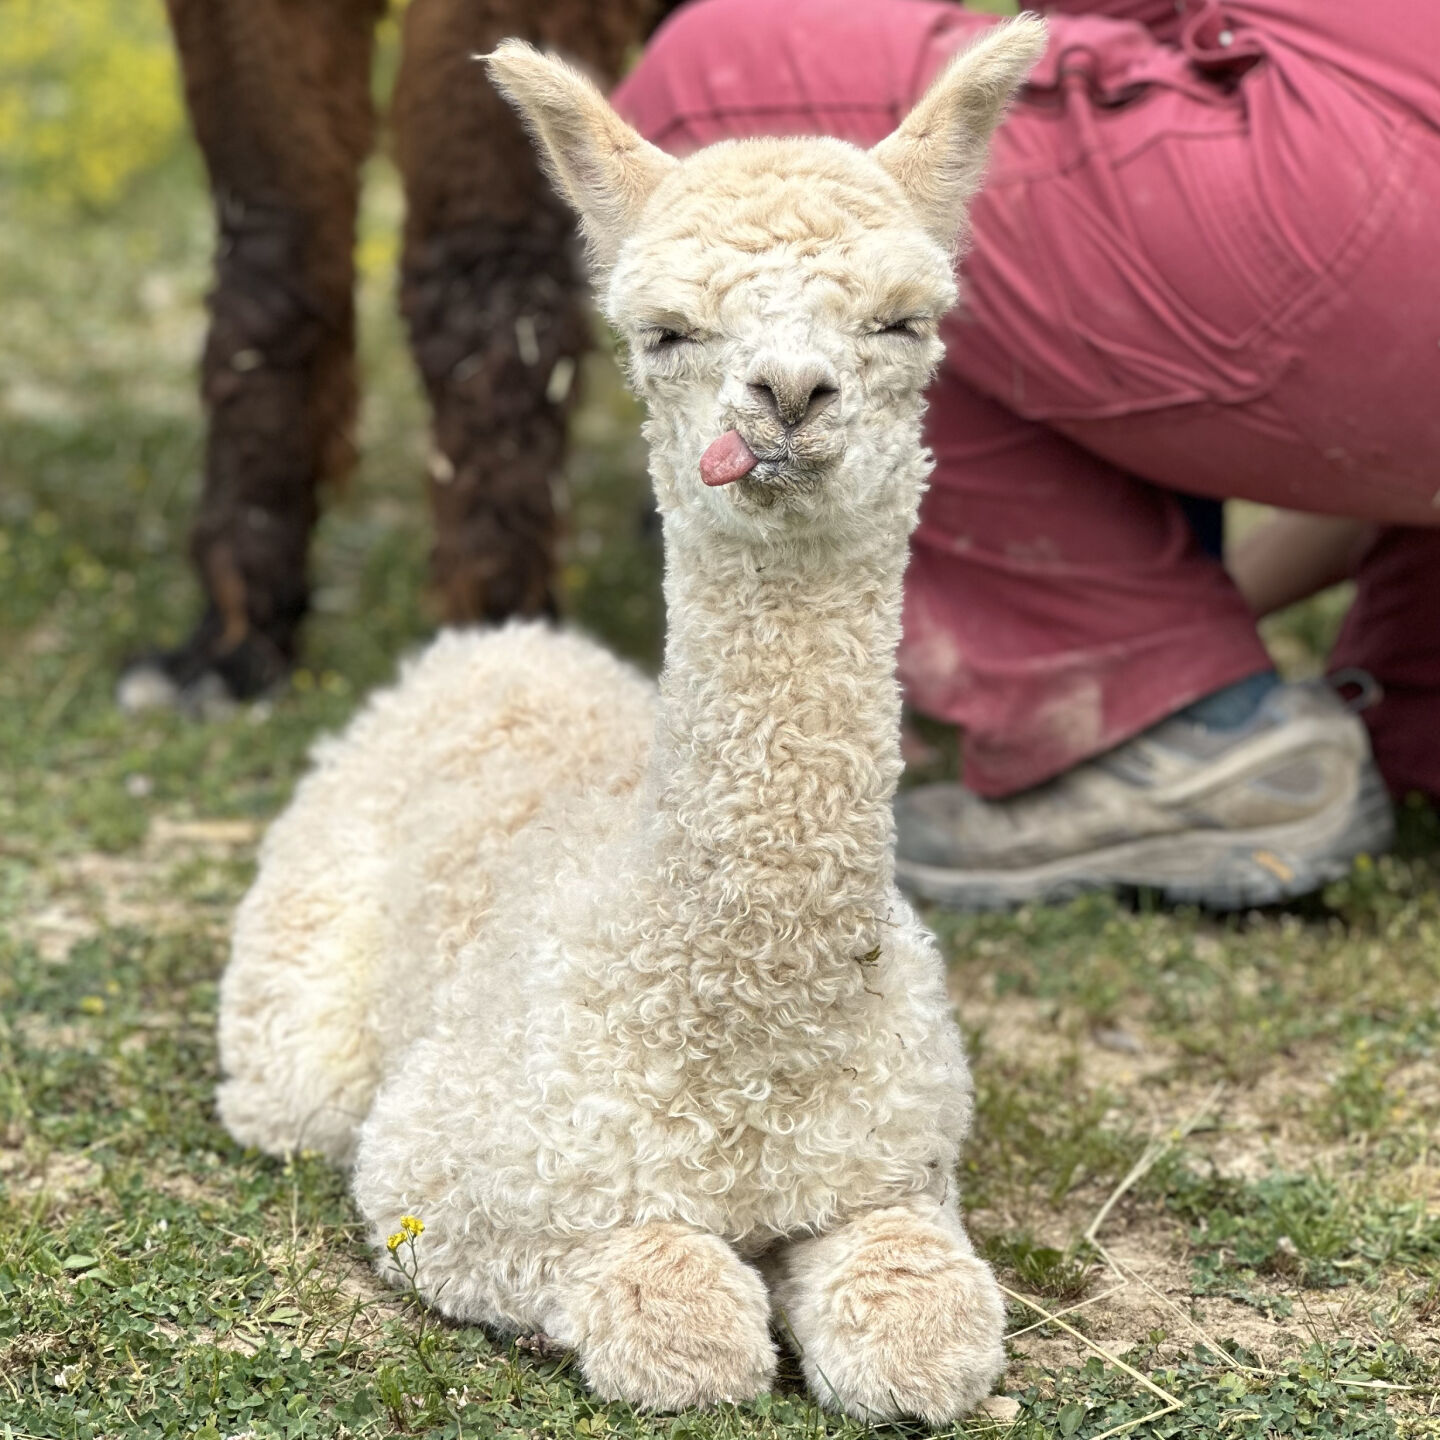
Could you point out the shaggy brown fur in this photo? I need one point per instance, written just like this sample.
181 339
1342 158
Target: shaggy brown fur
279 94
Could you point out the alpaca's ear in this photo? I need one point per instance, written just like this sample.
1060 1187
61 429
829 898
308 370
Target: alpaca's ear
598 163
938 154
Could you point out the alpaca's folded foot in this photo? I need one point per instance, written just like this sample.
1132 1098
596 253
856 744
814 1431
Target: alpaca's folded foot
667 1318
894 1316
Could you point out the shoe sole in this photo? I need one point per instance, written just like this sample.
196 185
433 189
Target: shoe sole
1215 869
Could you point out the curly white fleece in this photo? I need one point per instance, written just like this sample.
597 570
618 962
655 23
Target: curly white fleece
613 987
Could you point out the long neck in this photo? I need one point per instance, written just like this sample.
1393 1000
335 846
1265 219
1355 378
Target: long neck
776 756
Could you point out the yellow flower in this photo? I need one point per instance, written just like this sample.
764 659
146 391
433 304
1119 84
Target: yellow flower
395 1241
411 1225
88 98
93 1005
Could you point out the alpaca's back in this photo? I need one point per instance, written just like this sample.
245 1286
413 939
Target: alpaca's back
392 853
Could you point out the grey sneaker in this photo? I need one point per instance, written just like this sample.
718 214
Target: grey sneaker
1272 809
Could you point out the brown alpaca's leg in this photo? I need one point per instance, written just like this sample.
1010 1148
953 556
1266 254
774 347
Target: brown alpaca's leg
279 95
492 291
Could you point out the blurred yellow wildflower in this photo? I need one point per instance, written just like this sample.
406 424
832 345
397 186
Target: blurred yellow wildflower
395 1241
89 96
412 1225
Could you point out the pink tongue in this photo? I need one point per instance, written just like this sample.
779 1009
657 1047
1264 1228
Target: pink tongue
727 459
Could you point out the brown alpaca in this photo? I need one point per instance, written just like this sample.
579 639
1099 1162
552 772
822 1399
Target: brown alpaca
279 95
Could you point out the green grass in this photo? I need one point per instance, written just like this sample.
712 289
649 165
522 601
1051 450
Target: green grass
1258 1097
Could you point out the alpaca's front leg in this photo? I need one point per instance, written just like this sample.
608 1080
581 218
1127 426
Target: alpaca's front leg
894 1314
665 1317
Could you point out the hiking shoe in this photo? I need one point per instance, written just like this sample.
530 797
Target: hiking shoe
1248 814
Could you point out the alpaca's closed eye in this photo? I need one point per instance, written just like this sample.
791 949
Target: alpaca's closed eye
659 340
914 327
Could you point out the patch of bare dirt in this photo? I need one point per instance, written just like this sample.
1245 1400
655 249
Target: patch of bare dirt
1122 1055
233 1340
1144 1288
181 1186
1142 1292
63 1177
81 895
56 928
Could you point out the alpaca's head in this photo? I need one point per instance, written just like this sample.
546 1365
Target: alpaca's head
780 297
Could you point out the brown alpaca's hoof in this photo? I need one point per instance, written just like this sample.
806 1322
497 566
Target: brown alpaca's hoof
202 678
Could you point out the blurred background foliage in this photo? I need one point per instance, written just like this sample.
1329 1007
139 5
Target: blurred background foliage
89 99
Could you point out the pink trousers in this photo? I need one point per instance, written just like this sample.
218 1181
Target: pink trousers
1207 260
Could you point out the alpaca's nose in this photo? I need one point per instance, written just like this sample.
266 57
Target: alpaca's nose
794 394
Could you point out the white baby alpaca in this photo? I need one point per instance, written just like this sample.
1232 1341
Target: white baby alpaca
612 986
